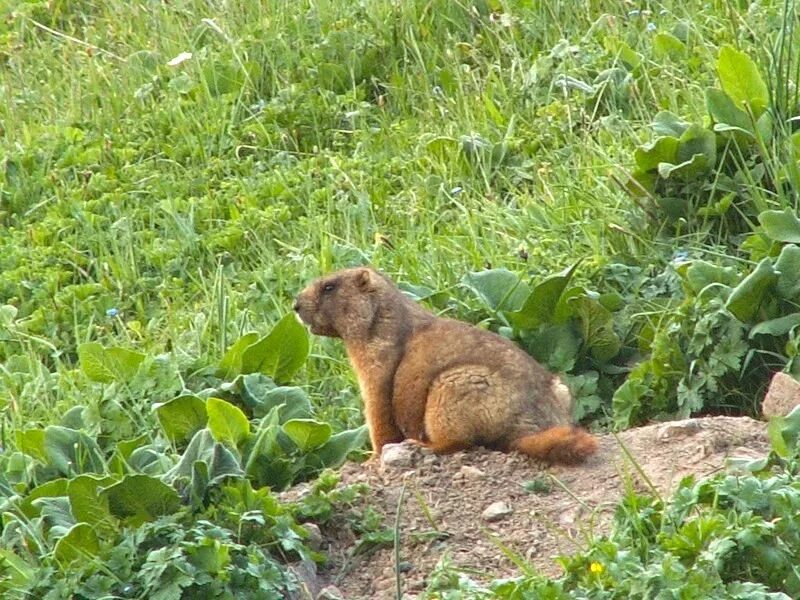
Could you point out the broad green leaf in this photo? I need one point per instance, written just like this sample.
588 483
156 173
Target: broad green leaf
231 364
86 503
72 452
723 110
565 310
670 124
697 140
181 417
91 356
765 127
499 289
252 388
126 447
661 150
50 489
57 513
106 365
118 464
31 442
666 44
781 225
149 460
7 314
296 404
220 460
17 572
612 301
684 171
775 433
556 346
227 423
597 327
741 80
540 306
199 484
701 274
80 543
416 292
334 452
261 395
265 445
281 353
73 418
124 363
622 52
791 427
788 268
641 183
779 326
307 434
140 498
746 298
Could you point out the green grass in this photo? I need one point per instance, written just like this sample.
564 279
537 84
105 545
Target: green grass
168 209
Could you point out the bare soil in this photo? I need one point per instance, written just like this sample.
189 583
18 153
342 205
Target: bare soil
572 504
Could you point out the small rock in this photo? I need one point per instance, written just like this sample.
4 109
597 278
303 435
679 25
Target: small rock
330 592
497 511
397 455
678 429
404 566
314 540
415 584
782 396
470 472
430 459
306 573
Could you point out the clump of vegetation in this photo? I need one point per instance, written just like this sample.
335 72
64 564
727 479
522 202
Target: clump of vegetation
183 509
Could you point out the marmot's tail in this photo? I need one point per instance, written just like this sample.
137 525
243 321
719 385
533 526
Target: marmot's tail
565 445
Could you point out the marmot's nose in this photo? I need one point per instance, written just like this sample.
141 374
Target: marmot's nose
296 306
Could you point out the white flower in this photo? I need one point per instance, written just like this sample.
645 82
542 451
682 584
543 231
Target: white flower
181 58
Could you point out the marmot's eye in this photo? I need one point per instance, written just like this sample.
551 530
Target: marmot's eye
328 287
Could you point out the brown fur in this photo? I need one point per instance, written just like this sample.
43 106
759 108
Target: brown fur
443 383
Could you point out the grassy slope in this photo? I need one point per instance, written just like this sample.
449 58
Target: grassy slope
197 199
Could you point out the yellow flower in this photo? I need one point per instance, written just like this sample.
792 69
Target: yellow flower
596 568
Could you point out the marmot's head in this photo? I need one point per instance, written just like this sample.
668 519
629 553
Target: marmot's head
342 304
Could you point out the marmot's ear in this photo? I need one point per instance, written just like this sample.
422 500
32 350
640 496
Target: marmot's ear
364 278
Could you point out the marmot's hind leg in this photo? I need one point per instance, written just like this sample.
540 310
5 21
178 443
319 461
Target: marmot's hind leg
467 406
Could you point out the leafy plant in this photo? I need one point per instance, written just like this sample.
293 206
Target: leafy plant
722 169
71 504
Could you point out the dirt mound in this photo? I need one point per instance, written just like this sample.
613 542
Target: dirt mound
536 512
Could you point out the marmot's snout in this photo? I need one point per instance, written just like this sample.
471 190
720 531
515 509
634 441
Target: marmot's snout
306 305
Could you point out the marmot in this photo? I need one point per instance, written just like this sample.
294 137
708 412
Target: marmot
443 383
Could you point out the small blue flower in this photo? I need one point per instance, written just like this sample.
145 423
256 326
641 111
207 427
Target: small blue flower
680 256
651 27
456 190
634 13
112 312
